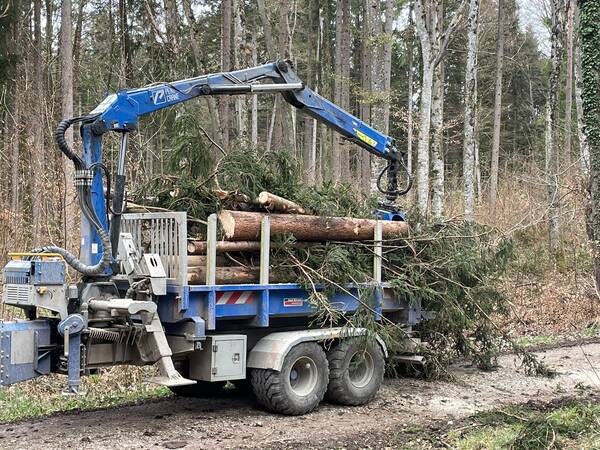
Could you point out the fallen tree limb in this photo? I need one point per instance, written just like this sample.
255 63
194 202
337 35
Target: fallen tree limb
245 226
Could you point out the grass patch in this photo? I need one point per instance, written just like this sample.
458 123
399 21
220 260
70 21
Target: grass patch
573 424
117 386
541 339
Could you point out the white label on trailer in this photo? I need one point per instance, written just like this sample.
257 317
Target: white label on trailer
94 248
293 302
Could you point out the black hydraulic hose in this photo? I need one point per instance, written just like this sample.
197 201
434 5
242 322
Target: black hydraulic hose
84 194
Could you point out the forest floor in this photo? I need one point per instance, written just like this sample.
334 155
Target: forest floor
407 412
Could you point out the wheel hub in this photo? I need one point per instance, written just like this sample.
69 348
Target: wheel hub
303 376
361 369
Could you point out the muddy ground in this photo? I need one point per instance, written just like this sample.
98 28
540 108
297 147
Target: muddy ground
405 411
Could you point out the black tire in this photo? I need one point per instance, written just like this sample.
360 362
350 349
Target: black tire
202 389
354 382
300 385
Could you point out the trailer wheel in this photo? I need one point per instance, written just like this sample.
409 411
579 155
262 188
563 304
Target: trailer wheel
300 385
202 389
355 372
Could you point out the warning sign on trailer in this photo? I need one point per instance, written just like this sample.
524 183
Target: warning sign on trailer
293 302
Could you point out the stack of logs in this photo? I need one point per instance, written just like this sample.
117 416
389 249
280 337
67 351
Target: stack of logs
242 229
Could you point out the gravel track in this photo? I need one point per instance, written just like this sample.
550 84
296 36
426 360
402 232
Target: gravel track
235 421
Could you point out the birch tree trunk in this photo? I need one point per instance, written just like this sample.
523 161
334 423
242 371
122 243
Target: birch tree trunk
493 194
584 148
470 112
241 111
437 149
409 103
254 113
433 48
70 212
552 104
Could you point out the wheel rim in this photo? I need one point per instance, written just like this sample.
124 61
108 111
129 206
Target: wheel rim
361 368
303 376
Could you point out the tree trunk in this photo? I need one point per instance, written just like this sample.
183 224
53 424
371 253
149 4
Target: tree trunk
493 194
470 112
38 154
381 82
409 102
66 94
172 24
367 88
245 226
239 45
336 150
552 155
437 149
224 101
584 148
195 43
590 72
254 113
569 85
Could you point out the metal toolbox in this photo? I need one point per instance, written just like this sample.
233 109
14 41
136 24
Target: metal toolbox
223 358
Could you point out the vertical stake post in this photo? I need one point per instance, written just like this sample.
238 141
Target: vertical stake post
377 251
265 248
211 250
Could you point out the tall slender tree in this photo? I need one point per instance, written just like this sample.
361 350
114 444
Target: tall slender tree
493 193
469 145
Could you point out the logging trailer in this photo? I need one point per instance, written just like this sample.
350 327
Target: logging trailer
134 304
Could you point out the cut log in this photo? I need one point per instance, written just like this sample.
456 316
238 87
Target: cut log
199 247
200 261
224 275
234 275
274 202
245 226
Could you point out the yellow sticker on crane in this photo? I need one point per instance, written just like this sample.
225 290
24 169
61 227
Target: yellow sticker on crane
363 137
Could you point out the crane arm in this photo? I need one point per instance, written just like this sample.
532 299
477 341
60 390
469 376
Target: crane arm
120 113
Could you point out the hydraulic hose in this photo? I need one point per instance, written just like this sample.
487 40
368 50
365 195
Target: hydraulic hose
83 180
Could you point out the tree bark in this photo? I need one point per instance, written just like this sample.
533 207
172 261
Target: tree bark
437 149
239 47
493 194
584 148
470 112
569 85
367 89
245 226
38 154
381 82
552 104
225 275
66 90
224 101
589 30
274 202
200 66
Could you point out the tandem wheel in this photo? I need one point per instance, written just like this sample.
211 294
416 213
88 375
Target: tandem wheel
356 370
299 386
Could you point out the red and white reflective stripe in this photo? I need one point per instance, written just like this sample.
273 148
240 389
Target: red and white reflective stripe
235 297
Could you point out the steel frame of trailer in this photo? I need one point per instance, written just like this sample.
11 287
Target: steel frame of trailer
212 306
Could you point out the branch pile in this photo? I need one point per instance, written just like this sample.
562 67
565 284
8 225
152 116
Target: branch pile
322 237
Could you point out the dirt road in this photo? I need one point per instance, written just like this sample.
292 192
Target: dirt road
231 421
